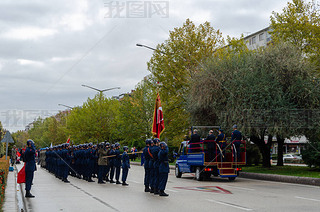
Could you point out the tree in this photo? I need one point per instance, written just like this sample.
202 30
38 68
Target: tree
174 64
136 113
299 24
268 92
96 121
20 137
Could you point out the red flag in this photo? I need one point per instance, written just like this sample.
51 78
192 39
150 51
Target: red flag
158 123
68 141
22 175
18 154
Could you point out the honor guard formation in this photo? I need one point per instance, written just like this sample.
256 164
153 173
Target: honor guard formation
86 161
104 161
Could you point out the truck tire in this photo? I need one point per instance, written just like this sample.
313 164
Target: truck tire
198 175
177 172
231 178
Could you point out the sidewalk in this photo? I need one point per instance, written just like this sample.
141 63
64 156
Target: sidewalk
10 200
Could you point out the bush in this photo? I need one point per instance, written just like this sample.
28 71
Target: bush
310 154
4 168
253 154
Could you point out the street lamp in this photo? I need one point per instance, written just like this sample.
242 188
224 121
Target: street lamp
101 91
66 106
148 47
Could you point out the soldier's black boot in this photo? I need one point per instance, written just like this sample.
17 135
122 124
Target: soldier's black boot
151 190
111 181
163 194
146 189
90 180
125 184
156 191
29 195
118 182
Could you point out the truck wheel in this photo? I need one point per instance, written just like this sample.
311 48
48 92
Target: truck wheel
231 178
199 175
177 172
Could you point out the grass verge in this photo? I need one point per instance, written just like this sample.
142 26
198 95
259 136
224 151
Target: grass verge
299 171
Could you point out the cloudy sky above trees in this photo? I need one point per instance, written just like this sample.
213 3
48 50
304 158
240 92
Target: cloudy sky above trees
48 49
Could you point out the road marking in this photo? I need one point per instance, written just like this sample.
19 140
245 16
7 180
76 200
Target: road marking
172 190
231 205
316 200
247 189
132 181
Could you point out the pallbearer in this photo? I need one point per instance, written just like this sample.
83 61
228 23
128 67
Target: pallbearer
125 165
163 168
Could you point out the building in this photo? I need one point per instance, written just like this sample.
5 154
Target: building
258 39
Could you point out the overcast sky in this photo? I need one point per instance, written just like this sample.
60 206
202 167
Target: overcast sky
48 49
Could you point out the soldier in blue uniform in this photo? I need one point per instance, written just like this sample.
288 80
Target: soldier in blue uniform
163 168
91 157
111 153
117 162
125 165
155 151
146 166
30 167
151 167
107 169
65 162
211 145
236 138
221 141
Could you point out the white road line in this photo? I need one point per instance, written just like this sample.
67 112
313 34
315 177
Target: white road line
231 205
247 189
132 181
316 200
172 190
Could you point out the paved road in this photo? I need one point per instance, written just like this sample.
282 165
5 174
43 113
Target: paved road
186 194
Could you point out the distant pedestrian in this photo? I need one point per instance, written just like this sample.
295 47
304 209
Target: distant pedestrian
13 155
29 156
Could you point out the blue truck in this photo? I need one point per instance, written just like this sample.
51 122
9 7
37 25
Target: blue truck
208 159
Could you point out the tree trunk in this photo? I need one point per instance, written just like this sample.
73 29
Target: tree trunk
280 151
264 150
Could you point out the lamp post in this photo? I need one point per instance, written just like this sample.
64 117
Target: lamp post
100 99
66 106
148 47
101 91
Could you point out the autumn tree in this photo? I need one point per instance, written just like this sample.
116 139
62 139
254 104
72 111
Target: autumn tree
299 24
136 114
95 121
174 64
